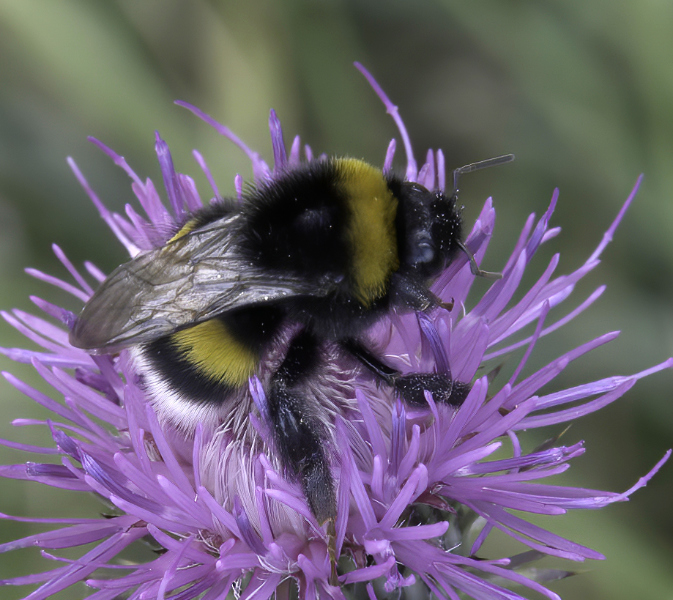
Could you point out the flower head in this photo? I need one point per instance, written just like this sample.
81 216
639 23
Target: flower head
419 488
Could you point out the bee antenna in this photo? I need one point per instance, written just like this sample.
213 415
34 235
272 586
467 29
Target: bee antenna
482 164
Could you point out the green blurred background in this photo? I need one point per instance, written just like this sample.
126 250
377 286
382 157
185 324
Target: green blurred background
581 92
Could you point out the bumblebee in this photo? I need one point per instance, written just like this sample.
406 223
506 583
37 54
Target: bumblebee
306 261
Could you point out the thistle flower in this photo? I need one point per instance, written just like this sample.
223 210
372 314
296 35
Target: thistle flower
419 490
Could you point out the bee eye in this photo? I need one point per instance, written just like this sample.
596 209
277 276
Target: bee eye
423 251
426 253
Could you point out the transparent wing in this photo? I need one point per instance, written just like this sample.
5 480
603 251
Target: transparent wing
192 279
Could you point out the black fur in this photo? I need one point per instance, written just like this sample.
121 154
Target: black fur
298 223
427 219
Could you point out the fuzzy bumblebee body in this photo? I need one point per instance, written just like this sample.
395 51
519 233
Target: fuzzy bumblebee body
306 261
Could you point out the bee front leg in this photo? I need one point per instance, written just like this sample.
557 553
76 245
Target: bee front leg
300 436
412 386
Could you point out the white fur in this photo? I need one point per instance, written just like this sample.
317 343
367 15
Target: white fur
229 464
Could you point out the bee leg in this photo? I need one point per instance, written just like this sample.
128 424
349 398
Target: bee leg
444 390
413 294
411 387
299 436
474 267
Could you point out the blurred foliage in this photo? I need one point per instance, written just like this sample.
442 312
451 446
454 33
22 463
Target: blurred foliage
581 92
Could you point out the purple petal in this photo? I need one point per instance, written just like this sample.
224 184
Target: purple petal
260 169
540 229
176 471
409 492
390 155
71 269
104 212
368 573
373 428
206 171
87 564
391 109
607 236
277 143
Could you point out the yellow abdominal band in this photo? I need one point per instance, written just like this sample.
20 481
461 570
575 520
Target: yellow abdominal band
215 353
373 238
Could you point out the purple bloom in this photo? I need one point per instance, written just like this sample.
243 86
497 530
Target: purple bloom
419 490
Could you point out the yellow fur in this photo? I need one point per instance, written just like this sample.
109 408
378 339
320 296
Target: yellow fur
372 232
216 353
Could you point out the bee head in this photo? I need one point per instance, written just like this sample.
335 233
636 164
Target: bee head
429 227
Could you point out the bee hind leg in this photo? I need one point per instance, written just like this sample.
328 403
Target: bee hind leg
299 436
412 386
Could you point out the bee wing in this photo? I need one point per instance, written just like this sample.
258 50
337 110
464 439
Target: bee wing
193 278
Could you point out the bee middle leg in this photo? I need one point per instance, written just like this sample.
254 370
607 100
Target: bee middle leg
411 387
300 436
